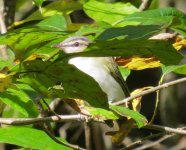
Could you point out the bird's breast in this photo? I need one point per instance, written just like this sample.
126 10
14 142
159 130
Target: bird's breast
96 67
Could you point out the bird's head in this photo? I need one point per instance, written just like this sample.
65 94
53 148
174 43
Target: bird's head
73 44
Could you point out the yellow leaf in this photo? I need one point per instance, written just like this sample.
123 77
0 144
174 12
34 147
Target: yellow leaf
5 81
36 56
179 42
138 63
136 103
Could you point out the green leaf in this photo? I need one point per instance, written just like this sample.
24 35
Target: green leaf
123 111
102 114
131 32
24 39
53 23
162 50
124 72
29 138
21 98
179 69
108 12
38 2
169 17
95 28
9 62
168 69
64 81
59 7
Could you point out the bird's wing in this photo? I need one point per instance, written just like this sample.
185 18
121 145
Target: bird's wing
113 67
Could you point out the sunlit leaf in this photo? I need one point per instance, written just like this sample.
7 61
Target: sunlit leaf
125 72
29 138
21 40
21 98
7 62
59 7
179 69
169 17
5 81
102 114
123 111
168 69
108 12
53 23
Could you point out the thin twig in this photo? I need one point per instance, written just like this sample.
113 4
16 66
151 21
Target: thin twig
27 121
87 135
49 109
145 5
141 141
170 133
165 85
44 113
167 129
157 101
148 145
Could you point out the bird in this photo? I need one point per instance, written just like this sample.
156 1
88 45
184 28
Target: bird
102 69
105 72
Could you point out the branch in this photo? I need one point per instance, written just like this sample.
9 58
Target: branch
2 23
3 29
168 130
148 145
9 11
157 101
165 85
141 141
87 135
27 121
145 5
165 130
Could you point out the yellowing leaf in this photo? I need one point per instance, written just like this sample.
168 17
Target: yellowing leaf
179 42
138 63
136 103
78 105
5 81
35 56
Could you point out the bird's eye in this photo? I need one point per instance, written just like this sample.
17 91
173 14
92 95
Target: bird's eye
76 44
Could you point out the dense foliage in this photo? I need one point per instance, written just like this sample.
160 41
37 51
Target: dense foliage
118 29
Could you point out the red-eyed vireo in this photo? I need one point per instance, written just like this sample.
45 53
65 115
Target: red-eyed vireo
102 69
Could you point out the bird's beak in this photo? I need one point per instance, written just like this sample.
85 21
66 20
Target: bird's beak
59 45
